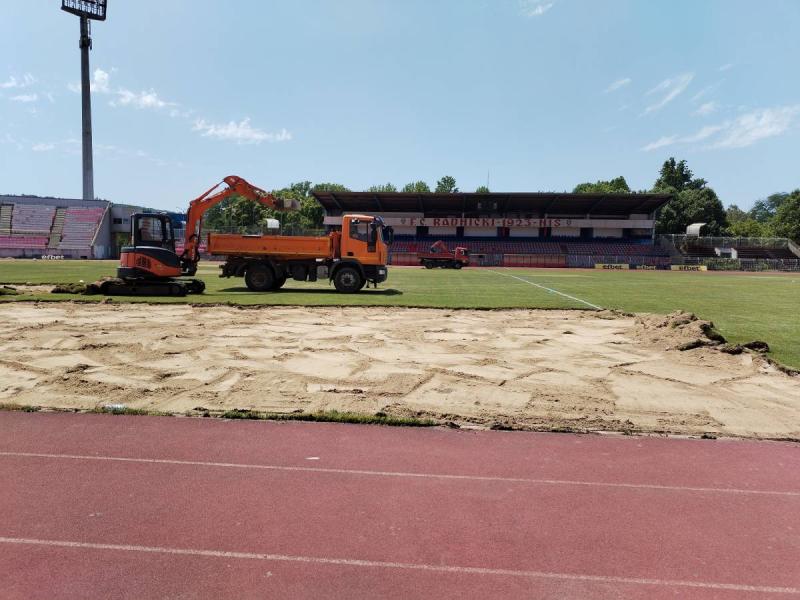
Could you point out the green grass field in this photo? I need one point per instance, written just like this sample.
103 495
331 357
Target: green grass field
743 306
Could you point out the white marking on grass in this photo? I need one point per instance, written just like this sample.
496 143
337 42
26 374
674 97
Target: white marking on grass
445 476
355 562
551 290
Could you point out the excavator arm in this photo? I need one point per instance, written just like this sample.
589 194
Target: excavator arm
198 207
439 247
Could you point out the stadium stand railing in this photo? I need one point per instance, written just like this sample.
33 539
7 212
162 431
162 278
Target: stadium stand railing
58 228
6 211
746 264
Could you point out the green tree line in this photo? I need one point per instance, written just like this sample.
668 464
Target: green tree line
239 214
694 201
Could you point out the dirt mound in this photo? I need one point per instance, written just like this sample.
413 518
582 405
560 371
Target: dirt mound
679 330
524 369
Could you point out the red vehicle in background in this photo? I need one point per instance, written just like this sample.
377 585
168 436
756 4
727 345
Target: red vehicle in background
440 256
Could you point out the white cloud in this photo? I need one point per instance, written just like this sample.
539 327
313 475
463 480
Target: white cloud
705 91
43 147
619 83
97 85
148 99
725 67
535 8
14 83
704 133
745 130
25 98
705 109
241 133
9 139
758 125
671 88
101 84
667 140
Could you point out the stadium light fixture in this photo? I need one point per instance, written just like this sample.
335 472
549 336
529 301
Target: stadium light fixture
94 10
89 9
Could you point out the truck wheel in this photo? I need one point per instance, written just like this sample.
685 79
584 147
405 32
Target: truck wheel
428 264
457 265
259 278
279 283
348 280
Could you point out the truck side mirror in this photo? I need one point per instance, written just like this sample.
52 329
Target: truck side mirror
389 239
372 236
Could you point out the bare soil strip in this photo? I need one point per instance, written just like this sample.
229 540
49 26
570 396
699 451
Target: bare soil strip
526 369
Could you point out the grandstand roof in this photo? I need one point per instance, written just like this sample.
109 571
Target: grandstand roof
517 202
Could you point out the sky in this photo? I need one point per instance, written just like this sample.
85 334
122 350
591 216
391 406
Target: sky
533 95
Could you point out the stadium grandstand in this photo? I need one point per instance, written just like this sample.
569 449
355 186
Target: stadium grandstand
34 227
732 253
515 229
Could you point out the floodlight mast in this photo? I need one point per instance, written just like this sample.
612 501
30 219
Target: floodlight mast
86 112
86 10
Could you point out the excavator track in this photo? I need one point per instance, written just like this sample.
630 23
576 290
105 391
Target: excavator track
148 287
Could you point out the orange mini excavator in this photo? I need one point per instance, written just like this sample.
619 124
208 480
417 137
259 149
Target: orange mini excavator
151 267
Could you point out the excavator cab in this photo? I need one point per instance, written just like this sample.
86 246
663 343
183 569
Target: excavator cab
153 230
152 254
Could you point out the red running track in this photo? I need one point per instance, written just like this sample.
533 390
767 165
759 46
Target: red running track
158 507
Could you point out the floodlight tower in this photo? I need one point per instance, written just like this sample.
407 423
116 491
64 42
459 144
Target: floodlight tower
87 10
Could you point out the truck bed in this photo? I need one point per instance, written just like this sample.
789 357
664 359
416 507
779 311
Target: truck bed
275 246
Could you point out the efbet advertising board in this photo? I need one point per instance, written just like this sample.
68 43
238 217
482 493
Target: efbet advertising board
689 268
628 267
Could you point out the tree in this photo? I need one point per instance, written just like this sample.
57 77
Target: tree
692 201
735 214
446 185
329 187
386 187
678 177
741 224
482 189
748 228
787 218
241 214
692 206
613 186
417 187
765 210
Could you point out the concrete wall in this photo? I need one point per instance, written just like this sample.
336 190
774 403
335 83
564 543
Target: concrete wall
523 233
611 232
567 231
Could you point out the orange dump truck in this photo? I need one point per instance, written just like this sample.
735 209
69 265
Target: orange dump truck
351 258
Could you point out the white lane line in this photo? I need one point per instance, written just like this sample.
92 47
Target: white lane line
197 463
354 562
594 306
